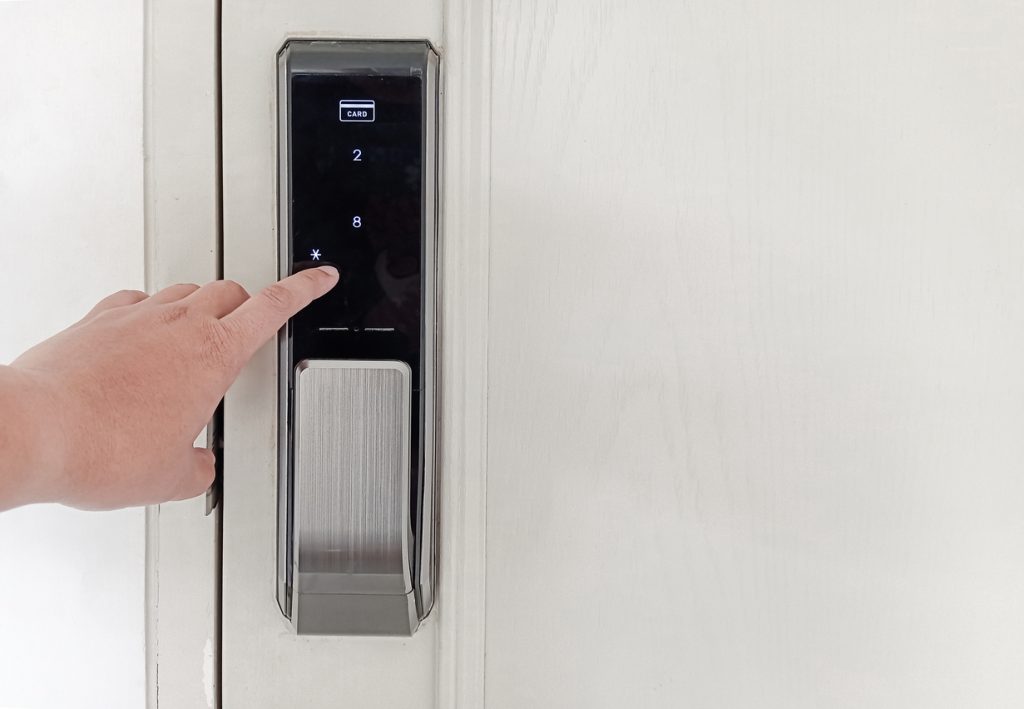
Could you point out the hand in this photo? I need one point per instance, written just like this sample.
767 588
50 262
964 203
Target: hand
119 397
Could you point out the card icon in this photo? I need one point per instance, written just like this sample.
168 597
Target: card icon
352 110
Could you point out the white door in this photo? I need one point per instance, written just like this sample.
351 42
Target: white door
733 326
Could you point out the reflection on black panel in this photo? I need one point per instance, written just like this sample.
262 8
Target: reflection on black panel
356 204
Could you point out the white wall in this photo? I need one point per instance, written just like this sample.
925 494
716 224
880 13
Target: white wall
71 596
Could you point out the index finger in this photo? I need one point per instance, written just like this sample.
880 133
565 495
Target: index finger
259 318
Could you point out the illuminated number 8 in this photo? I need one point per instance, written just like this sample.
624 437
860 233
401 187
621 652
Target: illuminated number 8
357 222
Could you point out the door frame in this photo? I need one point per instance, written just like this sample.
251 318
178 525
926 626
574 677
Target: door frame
182 244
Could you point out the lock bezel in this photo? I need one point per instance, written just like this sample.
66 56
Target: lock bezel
379 57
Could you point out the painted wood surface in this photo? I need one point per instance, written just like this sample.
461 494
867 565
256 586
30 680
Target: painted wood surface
182 235
264 664
756 316
749 421
464 264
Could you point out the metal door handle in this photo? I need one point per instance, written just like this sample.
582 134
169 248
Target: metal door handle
352 528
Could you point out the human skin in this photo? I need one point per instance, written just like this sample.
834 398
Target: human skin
104 414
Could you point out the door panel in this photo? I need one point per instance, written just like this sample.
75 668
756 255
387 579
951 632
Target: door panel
754 382
730 359
264 664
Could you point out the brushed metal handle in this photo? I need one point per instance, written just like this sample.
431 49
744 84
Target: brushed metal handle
352 535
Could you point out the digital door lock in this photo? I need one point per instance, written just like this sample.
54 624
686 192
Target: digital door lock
358 189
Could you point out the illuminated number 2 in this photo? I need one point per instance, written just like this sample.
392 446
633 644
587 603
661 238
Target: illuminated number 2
357 222
357 155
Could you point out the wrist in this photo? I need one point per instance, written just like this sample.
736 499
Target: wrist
31 439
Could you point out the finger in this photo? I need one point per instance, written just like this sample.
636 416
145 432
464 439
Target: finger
265 313
199 475
173 293
218 298
115 300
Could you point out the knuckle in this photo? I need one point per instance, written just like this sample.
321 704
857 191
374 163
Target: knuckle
217 350
234 288
123 297
173 314
234 329
278 297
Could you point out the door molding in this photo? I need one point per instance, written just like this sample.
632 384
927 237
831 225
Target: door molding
182 244
465 251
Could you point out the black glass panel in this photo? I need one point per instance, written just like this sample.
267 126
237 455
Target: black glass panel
356 189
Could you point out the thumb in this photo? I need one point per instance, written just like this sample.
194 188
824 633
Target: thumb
198 475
